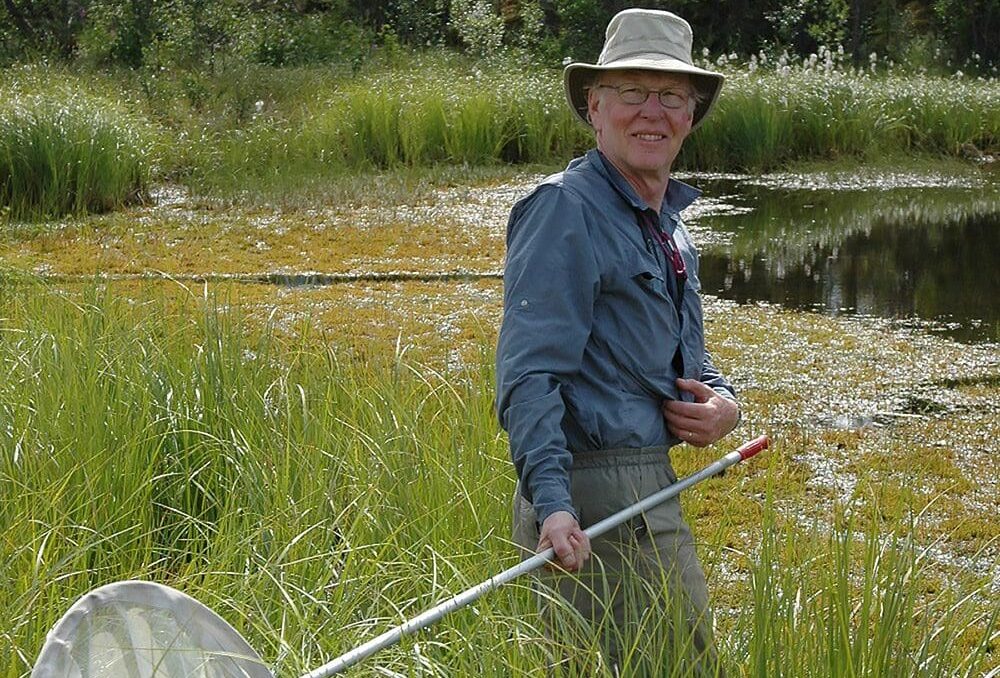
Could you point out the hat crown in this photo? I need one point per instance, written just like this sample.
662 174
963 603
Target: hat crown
645 40
646 33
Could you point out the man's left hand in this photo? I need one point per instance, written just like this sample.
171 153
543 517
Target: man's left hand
707 419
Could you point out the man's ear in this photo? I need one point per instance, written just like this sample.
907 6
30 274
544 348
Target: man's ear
593 101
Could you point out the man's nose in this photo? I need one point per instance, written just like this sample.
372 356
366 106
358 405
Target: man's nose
651 106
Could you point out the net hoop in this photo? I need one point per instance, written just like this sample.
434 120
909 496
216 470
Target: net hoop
139 629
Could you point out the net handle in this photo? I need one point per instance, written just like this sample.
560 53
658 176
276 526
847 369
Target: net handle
425 619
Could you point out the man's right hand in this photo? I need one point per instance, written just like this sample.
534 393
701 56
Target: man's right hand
562 532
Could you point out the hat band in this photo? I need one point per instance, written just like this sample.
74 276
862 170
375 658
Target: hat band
643 56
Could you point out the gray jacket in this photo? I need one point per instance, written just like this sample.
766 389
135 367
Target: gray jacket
592 338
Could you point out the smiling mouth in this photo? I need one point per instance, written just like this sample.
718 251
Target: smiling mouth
649 137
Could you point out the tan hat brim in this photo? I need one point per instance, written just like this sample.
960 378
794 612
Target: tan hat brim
578 76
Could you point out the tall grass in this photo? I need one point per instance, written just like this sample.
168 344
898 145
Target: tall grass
67 151
435 110
68 145
857 602
313 500
767 119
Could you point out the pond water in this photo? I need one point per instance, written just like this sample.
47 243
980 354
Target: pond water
921 248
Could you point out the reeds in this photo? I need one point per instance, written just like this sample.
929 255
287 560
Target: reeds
857 601
314 499
767 119
65 150
440 113
435 110
67 146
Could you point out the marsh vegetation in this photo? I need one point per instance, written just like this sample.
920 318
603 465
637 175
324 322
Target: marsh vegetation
264 134
318 462
315 486
184 398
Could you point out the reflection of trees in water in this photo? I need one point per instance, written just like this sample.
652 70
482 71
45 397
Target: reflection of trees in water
930 253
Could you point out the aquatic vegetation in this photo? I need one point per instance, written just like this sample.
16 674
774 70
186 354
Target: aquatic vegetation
314 494
257 132
430 226
445 112
65 150
767 119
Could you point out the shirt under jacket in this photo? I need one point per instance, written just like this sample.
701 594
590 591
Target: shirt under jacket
591 338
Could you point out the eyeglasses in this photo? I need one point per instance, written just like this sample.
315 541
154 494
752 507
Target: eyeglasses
637 94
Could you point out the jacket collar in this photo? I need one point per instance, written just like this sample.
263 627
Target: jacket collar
679 194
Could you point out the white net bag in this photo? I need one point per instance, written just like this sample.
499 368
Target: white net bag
135 629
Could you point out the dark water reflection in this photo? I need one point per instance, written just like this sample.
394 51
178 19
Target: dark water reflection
928 253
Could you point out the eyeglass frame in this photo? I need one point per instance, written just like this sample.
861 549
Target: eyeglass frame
686 98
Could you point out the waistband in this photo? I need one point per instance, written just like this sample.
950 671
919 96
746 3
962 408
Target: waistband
621 456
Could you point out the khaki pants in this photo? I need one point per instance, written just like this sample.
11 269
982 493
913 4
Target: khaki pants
642 576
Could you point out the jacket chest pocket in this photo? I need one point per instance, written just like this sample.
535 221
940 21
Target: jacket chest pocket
651 283
647 275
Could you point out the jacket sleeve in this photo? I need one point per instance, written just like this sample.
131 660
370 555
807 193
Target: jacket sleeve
713 378
551 279
710 375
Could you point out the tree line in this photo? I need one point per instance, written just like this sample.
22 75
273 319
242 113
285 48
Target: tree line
932 34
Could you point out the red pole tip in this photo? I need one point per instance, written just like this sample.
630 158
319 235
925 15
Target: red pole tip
751 448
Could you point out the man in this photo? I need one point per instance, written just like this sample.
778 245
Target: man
601 365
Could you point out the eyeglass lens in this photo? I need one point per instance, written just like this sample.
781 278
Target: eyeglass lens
637 94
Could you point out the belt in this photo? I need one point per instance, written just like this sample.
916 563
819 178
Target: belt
621 456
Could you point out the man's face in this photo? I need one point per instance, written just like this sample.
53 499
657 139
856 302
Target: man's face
641 140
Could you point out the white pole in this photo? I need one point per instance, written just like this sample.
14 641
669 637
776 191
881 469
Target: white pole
425 619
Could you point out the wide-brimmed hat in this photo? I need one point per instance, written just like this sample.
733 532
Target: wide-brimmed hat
650 40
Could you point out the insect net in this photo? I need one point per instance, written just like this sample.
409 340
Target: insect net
134 629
